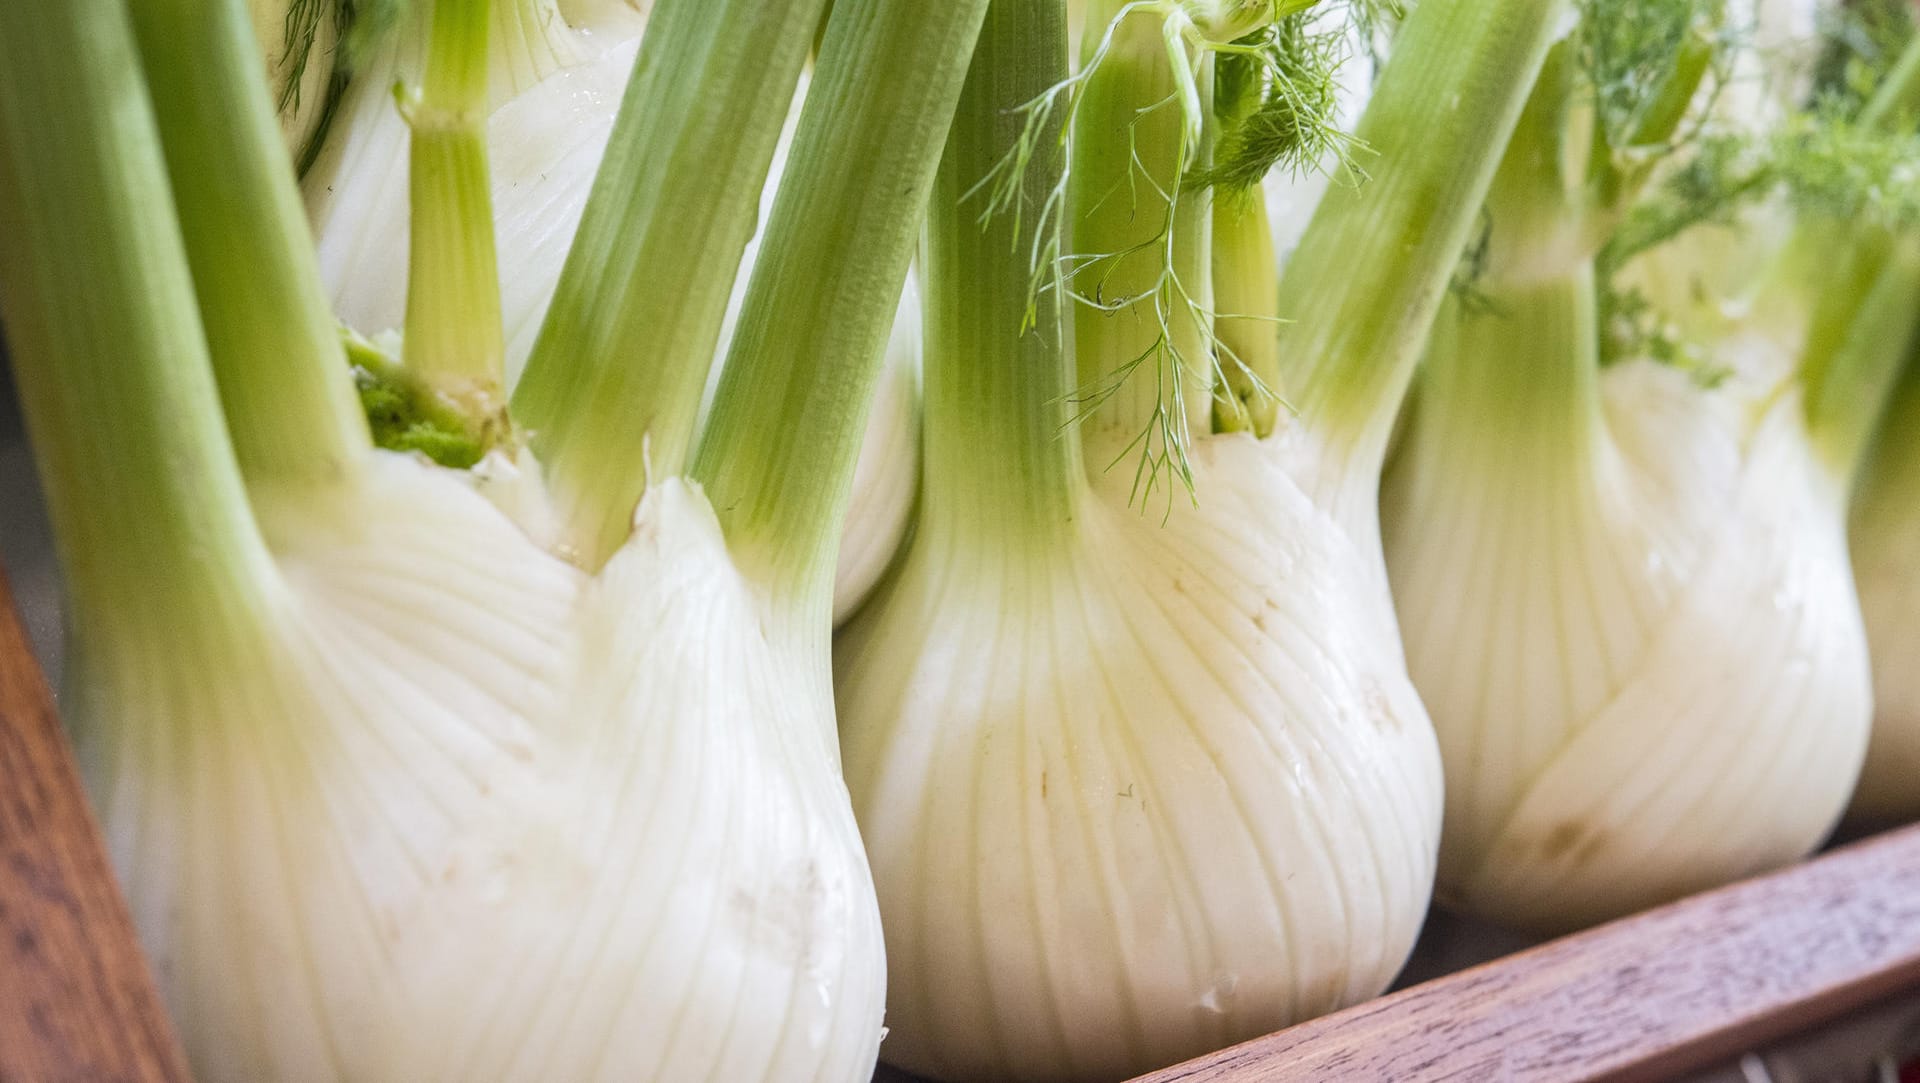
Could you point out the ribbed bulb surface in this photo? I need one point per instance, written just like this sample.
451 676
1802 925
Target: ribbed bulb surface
462 812
1144 789
1640 645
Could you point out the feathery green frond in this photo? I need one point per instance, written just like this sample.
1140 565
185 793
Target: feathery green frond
1723 173
1863 41
1645 60
1275 98
1831 164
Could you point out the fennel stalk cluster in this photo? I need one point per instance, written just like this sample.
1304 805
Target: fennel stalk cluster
465 423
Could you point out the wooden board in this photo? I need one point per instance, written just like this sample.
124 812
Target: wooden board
1649 997
76 999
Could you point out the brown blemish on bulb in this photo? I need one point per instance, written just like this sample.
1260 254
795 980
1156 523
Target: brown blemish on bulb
1573 843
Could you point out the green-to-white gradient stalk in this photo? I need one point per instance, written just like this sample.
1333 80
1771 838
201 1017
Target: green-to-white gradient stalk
1138 786
387 780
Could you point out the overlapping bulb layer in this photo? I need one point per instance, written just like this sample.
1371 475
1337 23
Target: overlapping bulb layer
1143 790
462 812
1634 622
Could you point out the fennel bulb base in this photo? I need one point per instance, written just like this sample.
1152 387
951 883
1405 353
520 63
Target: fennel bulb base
456 811
1141 793
1643 656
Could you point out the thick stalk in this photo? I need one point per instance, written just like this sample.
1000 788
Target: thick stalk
276 351
1535 216
613 383
1895 105
1374 264
1862 331
149 511
1246 299
1822 271
1510 385
1140 244
1891 474
1002 464
777 458
1510 380
453 335
1617 174
1862 279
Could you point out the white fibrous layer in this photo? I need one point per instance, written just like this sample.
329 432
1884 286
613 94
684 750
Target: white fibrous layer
1641 649
464 813
1141 793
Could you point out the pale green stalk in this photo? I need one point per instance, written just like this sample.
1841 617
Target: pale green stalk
1516 383
149 512
613 385
1892 472
453 334
1514 356
777 458
1246 298
1862 316
275 348
1862 330
1362 289
1003 467
1140 245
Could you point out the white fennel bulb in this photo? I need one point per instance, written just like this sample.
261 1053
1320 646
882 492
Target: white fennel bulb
1138 781
572 827
556 83
1624 584
401 786
1886 562
1136 791
1627 604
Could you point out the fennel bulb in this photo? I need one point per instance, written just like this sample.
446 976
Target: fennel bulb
399 788
1138 782
1886 562
1631 616
556 83
1625 591
568 826
1133 793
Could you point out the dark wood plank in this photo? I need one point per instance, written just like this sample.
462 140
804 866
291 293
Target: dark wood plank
76 999
1672 990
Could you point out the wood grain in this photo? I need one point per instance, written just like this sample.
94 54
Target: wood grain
1668 991
76 999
